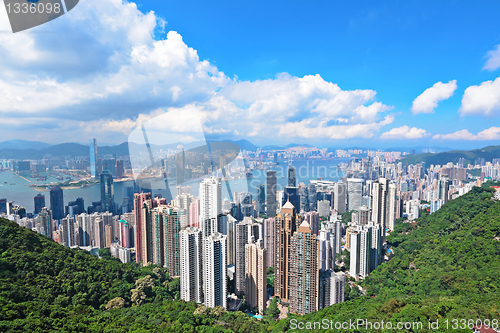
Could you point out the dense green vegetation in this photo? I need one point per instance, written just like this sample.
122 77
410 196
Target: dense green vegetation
488 153
47 287
444 266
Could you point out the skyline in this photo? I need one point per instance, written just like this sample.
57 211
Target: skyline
77 83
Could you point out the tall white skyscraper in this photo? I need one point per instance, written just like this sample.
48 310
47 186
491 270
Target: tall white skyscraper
391 207
339 198
326 245
354 192
379 202
360 251
210 205
191 246
215 270
331 288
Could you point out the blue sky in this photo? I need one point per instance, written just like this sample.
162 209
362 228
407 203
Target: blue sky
396 50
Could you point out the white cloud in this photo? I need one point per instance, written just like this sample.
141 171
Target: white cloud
405 132
429 99
492 133
493 61
103 72
482 100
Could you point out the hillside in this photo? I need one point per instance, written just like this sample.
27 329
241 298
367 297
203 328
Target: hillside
46 287
488 153
445 266
77 149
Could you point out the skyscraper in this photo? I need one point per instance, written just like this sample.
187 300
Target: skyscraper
291 194
255 275
194 213
331 288
304 198
39 202
271 193
44 219
286 224
261 199
292 176
339 202
312 196
139 200
93 158
354 193
120 170
57 203
215 270
303 270
68 234
172 220
180 161
210 205
360 252
107 192
444 190
391 207
326 253
270 241
244 231
191 268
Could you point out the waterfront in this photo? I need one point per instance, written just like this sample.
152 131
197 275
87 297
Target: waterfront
22 194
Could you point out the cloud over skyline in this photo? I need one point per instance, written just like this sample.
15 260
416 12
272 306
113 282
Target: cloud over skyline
429 99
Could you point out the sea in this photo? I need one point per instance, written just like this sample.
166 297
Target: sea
17 189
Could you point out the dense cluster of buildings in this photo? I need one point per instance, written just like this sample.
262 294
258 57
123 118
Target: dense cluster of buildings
215 245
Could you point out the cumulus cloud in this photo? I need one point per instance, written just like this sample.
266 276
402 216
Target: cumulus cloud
429 99
492 133
108 68
405 132
493 59
482 100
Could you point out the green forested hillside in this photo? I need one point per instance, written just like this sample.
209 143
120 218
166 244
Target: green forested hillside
46 287
488 153
445 266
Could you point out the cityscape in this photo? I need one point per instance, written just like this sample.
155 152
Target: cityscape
251 167
301 244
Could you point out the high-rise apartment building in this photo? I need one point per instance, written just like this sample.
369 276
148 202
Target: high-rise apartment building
215 270
210 205
326 250
303 271
172 221
255 275
331 288
286 225
44 219
244 232
270 240
191 268
139 200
